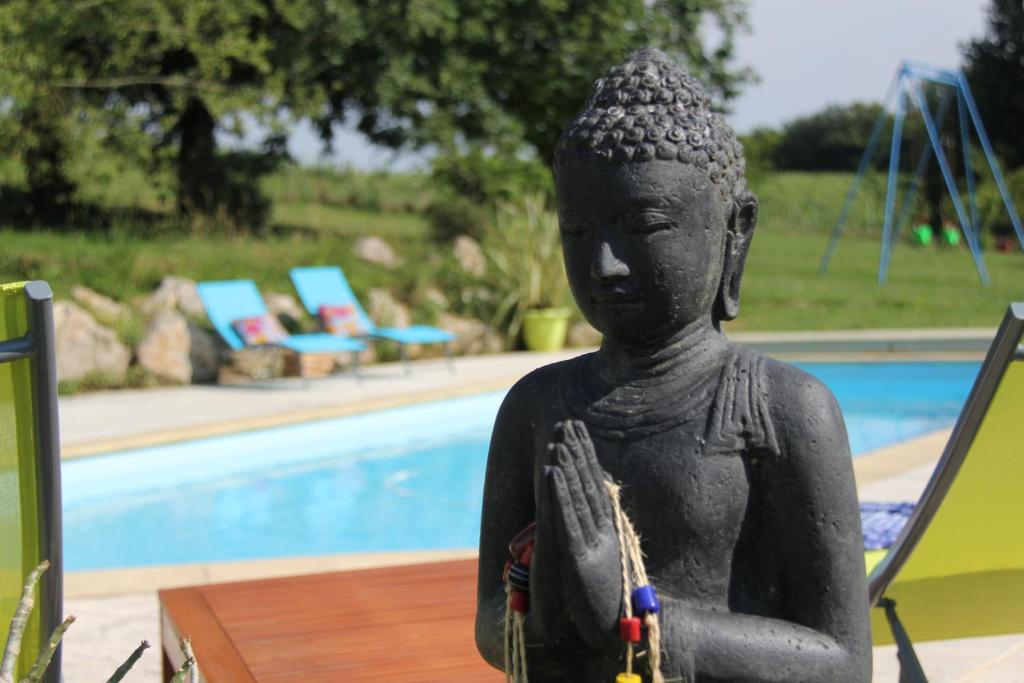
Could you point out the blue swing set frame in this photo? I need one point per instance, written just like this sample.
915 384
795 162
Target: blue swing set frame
906 85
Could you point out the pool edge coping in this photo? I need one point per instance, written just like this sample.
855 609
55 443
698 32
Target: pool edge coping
239 426
242 425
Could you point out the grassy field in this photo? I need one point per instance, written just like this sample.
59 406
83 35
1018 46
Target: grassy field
318 214
927 287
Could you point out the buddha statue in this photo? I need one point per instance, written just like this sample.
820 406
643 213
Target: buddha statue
733 468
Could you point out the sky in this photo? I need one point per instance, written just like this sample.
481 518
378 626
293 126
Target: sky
808 54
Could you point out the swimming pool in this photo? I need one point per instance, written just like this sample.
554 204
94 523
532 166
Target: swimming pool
409 478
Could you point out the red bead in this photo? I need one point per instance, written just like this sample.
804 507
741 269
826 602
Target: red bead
520 602
524 557
629 629
515 548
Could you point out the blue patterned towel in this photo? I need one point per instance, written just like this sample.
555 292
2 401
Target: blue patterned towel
882 523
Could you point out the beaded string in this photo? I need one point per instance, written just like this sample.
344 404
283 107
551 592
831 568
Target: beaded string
517 601
638 597
641 599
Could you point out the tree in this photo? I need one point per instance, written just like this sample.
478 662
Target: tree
501 72
994 66
505 74
830 140
177 69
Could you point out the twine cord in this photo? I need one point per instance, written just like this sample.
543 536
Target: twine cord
634 574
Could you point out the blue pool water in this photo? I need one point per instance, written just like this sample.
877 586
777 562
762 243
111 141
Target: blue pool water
404 479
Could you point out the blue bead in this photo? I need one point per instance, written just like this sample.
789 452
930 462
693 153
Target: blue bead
645 600
519 577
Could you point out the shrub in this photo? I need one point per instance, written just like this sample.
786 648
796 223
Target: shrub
991 210
524 251
452 216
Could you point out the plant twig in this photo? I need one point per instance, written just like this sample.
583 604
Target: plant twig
43 660
129 663
186 648
18 623
186 668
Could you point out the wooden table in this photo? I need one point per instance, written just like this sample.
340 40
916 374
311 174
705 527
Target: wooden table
399 624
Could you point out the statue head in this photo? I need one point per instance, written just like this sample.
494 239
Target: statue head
655 216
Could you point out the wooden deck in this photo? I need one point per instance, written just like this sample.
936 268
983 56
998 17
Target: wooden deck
398 624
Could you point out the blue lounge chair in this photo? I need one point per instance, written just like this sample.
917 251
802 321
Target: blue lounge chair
326 286
227 301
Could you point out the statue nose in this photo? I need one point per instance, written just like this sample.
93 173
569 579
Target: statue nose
607 265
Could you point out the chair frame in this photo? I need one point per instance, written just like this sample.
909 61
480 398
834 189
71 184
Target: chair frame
38 345
1005 349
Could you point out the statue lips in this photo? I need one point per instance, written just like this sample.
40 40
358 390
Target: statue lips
617 300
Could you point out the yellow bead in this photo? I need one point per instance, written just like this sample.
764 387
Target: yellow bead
628 678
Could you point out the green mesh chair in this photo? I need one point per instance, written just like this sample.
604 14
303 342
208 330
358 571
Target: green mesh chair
957 568
30 526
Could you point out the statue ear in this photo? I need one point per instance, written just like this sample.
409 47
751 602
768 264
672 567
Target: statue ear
742 220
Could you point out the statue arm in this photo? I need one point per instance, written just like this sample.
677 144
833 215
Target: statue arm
508 508
814 526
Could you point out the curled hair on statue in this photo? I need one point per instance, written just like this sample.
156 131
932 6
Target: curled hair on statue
648 108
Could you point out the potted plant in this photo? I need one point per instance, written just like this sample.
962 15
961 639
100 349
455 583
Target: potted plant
526 251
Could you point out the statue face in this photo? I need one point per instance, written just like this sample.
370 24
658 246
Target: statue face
643 245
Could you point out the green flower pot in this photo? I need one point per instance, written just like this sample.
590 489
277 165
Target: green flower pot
544 329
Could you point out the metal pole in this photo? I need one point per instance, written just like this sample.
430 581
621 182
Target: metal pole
991 157
851 194
44 374
890 193
915 185
965 143
947 174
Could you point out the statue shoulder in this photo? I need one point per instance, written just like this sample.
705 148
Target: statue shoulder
804 410
540 388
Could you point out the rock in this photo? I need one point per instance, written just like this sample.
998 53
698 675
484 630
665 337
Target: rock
375 250
177 351
582 333
174 293
470 256
286 308
104 308
436 298
385 310
85 347
472 336
252 362
204 354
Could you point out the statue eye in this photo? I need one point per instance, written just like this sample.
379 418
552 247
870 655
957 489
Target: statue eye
649 221
573 227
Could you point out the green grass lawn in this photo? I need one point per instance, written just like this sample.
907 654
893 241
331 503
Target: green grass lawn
318 214
927 287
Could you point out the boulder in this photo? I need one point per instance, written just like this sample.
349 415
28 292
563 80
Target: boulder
104 308
286 308
436 298
177 351
582 333
470 256
84 347
472 336
174 293
253 362
375 250
385 310
204 354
